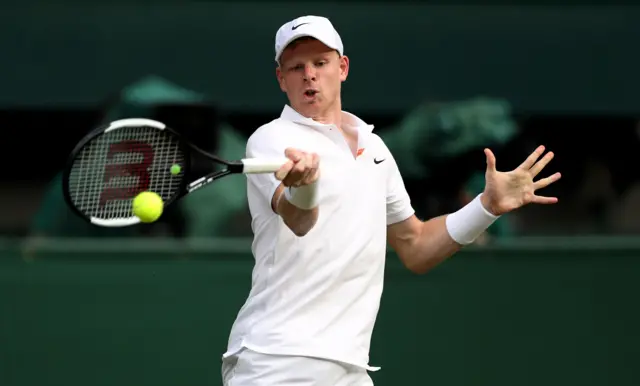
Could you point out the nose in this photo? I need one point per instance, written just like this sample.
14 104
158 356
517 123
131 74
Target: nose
309 73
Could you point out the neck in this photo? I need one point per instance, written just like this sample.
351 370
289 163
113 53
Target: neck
331 115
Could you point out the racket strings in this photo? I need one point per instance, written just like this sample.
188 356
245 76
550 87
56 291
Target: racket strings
116 166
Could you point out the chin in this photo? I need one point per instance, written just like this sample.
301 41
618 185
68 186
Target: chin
310 107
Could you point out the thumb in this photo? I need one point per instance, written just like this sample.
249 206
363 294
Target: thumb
491 160
283 172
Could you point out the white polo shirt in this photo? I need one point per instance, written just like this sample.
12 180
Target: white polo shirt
319 295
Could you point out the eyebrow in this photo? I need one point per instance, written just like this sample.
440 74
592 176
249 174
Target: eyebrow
323 56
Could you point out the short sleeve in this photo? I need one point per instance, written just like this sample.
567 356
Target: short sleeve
398 202
264 184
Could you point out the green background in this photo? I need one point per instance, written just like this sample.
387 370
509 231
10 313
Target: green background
542 58
151 313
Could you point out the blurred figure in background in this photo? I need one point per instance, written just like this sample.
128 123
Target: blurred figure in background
434 145
619 198
197 119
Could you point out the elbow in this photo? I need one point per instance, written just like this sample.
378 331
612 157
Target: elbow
303 225
418 269
300 231
417 266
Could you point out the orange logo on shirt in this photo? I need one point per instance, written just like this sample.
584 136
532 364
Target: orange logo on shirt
360 151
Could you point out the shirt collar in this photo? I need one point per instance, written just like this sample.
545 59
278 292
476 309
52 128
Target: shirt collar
348 119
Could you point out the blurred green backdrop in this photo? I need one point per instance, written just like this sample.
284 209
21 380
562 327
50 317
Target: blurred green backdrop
158 313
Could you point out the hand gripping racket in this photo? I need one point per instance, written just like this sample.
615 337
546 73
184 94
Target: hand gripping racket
114 163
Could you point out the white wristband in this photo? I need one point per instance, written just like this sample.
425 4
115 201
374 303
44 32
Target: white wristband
304 197
465 225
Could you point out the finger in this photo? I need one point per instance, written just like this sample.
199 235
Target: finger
315 160
544 200
294 178
315 168
301 166
297 173
304 165
284 170
291 179
537 168
293 154
491 160
544 182
313 171
528 163
309 170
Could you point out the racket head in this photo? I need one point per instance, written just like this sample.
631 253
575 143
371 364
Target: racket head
115 162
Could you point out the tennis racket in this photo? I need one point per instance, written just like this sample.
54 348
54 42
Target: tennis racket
110 166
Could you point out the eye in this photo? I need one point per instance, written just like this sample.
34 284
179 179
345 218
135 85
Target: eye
297 67
321 63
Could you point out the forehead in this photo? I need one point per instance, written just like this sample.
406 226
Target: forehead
302 47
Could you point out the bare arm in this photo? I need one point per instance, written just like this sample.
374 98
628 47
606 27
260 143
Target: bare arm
300 221
299 210
419 245
422 245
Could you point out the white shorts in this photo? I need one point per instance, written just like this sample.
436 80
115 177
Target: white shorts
249 368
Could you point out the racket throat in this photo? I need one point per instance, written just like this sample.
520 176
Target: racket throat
206 180
235 167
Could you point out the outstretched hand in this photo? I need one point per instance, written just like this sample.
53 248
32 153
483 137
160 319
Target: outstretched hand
507 191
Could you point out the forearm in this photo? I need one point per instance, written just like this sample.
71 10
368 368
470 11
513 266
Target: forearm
432 246
299 220
423 245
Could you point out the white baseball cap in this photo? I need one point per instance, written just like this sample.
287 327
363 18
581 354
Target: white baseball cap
316 27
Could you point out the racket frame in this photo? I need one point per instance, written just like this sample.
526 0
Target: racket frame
185 187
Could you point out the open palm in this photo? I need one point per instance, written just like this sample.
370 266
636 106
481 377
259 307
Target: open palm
507 191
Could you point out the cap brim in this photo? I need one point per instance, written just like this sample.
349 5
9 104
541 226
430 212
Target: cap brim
298 36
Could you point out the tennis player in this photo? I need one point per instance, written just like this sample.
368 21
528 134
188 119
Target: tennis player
322 222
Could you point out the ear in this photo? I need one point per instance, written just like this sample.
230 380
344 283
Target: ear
344 67
280 78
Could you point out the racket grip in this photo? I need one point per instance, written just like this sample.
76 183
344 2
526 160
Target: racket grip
262 165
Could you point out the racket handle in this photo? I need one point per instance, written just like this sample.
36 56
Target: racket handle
262 165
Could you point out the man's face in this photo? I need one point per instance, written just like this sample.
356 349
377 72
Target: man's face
311 74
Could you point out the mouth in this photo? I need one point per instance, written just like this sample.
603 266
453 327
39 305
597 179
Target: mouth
310 93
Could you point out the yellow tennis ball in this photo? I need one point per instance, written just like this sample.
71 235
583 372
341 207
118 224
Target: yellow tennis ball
147 206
